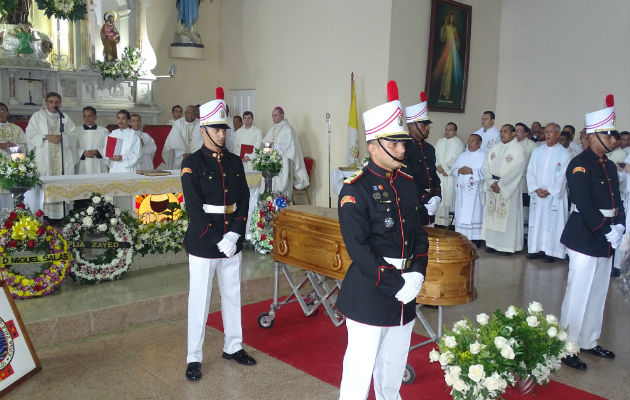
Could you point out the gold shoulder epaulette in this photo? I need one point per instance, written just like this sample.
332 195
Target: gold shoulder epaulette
354 177
406 175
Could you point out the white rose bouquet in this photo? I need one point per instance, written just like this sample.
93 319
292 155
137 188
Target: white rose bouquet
18 173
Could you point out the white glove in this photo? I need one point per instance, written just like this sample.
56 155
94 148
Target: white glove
227 245
433 204
411 288
615 234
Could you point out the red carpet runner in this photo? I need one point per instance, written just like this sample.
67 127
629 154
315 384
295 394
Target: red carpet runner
315 346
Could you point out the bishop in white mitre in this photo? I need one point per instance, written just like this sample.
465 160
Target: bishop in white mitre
183 140
91 140
44 136
547 187
447 150
467 172
502 227
293 171
147 144
249 136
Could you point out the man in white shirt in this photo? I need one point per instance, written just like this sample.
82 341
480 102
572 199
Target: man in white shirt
447 150
183 140
547 186
488 132
293 171
10 134
46 131
248 138
503 215
91 141
565 141
237 122
146 141
129 151
468 174
575 146
522 135
177 111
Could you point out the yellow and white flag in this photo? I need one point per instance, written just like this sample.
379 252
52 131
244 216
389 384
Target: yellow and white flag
352 146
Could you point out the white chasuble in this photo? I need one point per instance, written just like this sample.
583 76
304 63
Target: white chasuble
469 194
503 217
293 170
547 215
489 137
91 139
528 146
147 151
185 138
446 152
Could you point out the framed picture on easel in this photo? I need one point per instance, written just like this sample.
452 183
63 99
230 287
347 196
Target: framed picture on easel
449 54
18 360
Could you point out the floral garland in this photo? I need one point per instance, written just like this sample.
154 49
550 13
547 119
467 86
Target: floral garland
18 173
23 231
159 237
267 161
260 224
63 9
103 218
128 67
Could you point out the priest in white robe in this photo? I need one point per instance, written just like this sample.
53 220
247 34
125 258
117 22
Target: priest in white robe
183 140
447 150
44 136
10 134
467 172
503 215
130 149
177 111
148 146
284 141
488 132
92 139
547 187
248 138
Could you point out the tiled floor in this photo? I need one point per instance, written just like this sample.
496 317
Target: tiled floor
148 362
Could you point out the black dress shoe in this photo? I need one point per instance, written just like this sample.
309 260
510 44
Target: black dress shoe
193 371
240 357
490 250
549 260
615 272
505 253
574 362
532 256
599 351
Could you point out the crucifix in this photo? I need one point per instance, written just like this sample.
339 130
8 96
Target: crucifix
30 86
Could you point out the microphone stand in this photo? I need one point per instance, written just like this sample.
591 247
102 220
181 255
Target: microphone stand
63 168
329 132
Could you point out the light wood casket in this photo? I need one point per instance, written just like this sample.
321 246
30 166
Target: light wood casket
309 237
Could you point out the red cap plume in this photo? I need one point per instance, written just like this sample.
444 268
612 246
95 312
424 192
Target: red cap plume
219 93
610 100
392 91
423 97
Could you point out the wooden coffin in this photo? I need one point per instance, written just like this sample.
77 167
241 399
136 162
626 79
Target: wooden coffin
309 237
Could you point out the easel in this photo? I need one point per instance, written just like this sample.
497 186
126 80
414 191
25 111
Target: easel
30 85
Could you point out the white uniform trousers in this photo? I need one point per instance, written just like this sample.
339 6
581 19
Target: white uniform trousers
201 275
377 351
583 305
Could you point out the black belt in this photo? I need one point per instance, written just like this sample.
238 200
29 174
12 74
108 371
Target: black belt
496 177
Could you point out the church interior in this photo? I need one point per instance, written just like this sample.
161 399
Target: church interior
536 60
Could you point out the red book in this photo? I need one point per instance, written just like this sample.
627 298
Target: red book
113 147
246 149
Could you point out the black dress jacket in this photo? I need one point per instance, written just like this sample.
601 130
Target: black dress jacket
420 163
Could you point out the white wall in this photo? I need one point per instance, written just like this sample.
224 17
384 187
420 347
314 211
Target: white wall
558 60
408 61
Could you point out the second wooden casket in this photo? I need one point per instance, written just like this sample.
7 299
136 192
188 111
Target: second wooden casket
309 237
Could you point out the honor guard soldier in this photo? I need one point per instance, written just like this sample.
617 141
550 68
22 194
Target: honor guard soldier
420 159
379 215
593 231
217 200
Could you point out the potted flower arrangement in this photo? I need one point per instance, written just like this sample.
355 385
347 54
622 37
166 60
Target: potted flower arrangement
518 347
260 225
63 9
269 162
159 237
127 68
18 174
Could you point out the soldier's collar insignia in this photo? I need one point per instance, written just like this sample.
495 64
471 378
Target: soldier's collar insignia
354 177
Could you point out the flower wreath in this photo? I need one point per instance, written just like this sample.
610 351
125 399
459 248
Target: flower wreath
260 225
159 237
23 231
103 218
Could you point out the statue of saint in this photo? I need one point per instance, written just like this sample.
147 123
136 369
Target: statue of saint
110 36
25 37
187 13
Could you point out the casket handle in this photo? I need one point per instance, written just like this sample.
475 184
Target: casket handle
283 246
336 263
